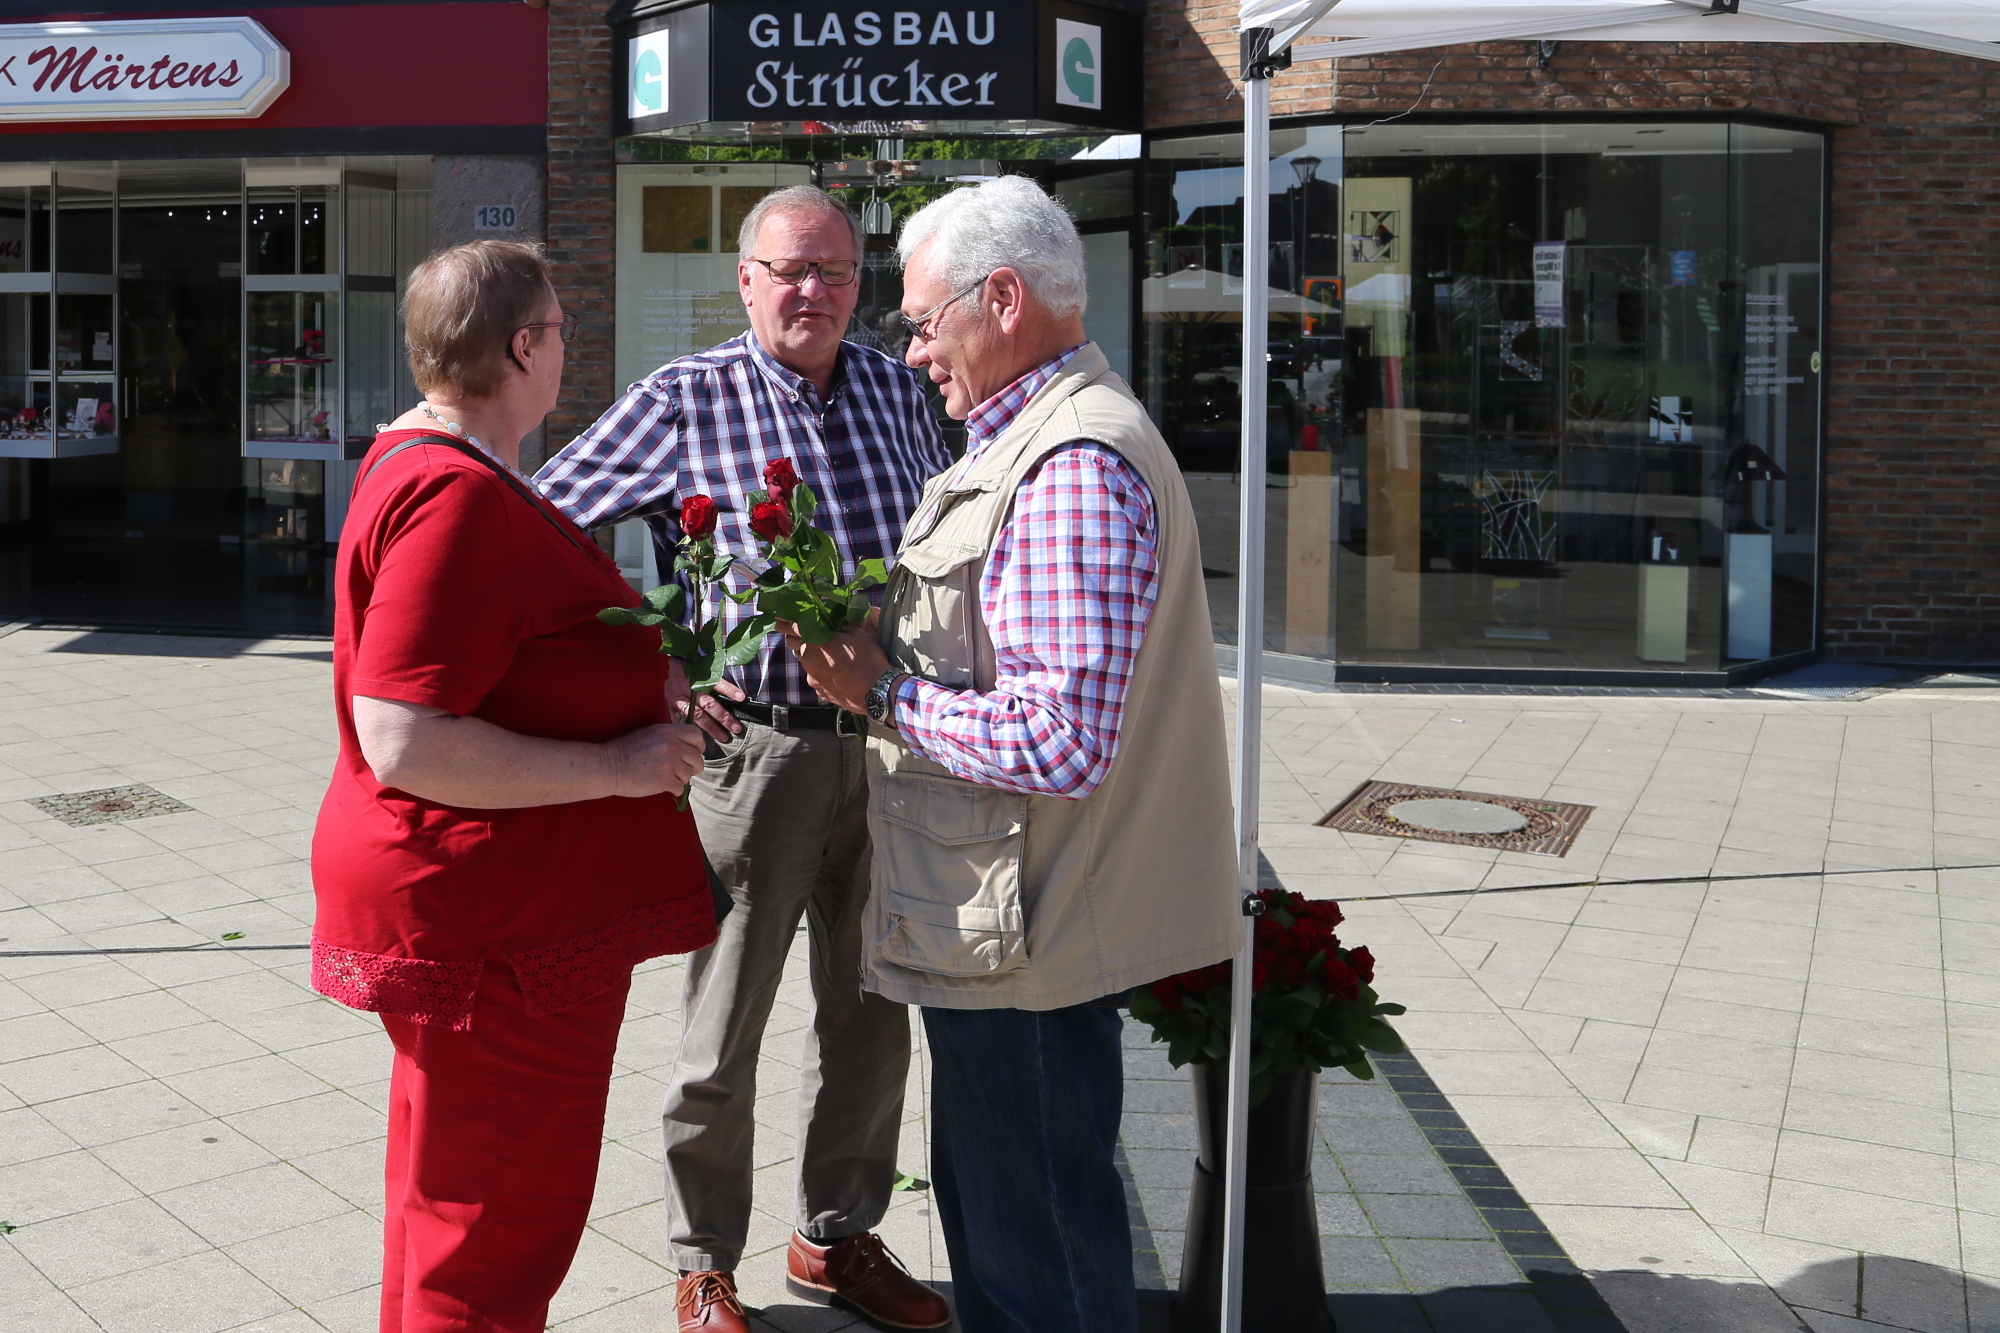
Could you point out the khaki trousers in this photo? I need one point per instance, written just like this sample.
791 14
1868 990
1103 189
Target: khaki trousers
783 816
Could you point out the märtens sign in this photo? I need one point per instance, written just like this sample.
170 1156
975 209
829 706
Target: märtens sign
850 60
139 69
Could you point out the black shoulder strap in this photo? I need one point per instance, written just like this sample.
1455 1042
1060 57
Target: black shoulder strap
568 530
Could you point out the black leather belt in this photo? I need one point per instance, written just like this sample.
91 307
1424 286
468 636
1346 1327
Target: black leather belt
794 717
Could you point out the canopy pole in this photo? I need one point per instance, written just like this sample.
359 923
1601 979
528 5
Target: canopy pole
1258 66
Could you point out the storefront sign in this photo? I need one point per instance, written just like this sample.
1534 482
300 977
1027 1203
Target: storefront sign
139 69
852 61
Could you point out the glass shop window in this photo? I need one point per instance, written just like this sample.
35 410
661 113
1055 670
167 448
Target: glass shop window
1540 395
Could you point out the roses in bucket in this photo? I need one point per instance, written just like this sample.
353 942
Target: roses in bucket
1314 1004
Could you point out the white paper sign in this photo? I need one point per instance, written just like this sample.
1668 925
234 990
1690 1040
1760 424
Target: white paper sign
1549 284
140 69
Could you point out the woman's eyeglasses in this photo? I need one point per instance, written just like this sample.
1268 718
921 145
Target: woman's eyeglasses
792 272
918 328
566 325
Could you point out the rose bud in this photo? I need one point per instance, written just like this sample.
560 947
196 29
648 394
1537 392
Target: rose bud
698 517
779 478
771 520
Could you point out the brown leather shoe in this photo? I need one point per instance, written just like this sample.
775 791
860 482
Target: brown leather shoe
707 1303
859 1273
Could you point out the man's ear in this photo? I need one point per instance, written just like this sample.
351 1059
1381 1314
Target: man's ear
1010 294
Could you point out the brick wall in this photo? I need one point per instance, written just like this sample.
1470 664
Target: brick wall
1912 546
1913 419
582 206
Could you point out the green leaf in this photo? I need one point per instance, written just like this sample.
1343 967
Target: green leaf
790 601
618 615
233 935
1379 1036
858 607
8 1228
1360 1069
876 570
744 642
1390 1009
679 641
669 599
913 1184
804 505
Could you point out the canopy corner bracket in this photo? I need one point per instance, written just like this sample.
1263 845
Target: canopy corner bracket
1259 61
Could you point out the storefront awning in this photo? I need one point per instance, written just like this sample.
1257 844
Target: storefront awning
1378 27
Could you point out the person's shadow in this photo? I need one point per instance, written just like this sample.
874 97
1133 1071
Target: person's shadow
1861 1295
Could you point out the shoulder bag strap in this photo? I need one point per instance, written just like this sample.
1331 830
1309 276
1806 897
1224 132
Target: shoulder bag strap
567 529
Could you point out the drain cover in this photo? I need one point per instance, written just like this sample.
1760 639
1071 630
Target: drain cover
1454 816
110 805
1468 818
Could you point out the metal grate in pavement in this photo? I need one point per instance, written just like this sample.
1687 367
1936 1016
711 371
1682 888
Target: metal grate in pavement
1543 827
109 805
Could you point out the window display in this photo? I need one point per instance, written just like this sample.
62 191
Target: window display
1542 396
58 376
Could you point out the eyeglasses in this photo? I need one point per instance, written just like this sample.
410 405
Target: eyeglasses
792 272
566 325
915 327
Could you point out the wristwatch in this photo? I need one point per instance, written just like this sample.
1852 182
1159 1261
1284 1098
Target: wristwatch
882 694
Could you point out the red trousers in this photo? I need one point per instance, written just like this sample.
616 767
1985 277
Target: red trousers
493 1145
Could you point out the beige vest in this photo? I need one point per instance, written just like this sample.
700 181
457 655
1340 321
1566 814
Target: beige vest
989 899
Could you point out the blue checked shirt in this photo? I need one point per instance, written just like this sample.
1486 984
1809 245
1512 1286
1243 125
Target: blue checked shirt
708 423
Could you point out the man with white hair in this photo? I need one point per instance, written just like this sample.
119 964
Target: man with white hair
782 803
1050 807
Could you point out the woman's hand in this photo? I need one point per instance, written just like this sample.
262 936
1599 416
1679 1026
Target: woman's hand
664 757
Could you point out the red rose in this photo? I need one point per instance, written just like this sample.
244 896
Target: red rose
1326 912
1167 990
771 519
698 517
1260 975
1339 979
779 478
1362 962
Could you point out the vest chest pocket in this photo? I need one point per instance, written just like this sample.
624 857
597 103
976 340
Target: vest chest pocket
929 609
952 899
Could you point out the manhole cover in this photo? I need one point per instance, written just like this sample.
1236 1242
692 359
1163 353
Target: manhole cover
108 806
1454 816
1468 818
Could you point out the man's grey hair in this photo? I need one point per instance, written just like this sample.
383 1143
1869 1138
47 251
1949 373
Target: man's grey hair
1004 223
795 199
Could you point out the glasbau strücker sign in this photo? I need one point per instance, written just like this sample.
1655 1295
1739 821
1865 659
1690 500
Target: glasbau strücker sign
740 60
139 69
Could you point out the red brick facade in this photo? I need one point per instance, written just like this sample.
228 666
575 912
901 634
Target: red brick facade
582 206
1912 437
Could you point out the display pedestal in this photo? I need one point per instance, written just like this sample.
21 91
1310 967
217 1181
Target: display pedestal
1747 557
1309 554
1284 1286
1395 497
1663 613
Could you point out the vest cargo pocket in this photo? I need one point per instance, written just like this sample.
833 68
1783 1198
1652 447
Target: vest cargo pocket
955 905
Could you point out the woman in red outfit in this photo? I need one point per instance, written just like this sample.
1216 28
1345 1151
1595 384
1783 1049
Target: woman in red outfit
500 843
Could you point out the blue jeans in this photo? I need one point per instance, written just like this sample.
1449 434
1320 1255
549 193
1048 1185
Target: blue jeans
1024 1123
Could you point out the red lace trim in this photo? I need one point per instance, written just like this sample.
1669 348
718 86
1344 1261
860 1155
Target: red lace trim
552 978
570 971
422 990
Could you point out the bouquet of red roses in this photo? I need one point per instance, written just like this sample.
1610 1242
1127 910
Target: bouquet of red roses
707 651
803 583
1314 1005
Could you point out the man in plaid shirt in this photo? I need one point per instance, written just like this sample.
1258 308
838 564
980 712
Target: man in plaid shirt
782 806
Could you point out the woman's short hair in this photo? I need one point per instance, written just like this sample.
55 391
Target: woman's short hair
795 199
462 307
1005 223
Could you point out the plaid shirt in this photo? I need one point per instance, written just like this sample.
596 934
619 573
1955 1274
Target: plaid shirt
1066 594
708 423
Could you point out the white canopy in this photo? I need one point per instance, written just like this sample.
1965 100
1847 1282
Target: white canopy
1379 26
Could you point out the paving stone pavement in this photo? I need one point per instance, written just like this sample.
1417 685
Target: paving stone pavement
1768 1102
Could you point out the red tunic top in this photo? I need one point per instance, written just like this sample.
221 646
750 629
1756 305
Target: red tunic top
452 591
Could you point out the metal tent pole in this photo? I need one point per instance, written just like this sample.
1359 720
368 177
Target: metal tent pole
1249 637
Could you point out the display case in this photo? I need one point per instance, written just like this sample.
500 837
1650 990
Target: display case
58 314
319 311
